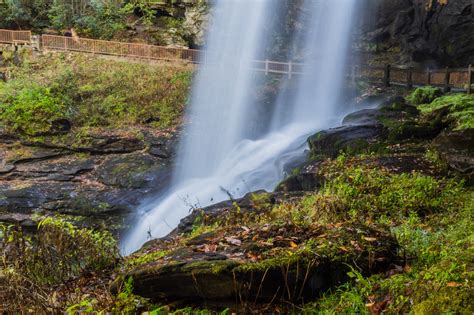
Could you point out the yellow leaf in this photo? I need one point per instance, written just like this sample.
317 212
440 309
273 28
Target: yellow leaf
344 248
293 244
453 284
370 239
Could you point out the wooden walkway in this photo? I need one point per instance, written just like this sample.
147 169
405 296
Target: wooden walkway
450 79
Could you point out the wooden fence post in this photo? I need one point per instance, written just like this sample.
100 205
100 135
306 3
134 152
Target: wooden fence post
266 66
290 69
410 78
387 75
447 88
429 77
469 80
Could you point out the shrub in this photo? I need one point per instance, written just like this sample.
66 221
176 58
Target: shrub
93 92
371 192
424 95
32 111
59 252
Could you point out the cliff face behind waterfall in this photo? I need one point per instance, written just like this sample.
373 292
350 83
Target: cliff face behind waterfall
427 32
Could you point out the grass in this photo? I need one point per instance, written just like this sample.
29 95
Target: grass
33 265
430 218
437 276
92 92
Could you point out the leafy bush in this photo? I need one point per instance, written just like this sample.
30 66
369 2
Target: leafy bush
32 110
57 253
102 19
424 95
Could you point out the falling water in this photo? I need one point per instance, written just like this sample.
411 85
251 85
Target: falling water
221 153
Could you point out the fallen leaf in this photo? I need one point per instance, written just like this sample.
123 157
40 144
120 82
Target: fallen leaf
211 248
293 244
370 239
233 241
453 284
343 248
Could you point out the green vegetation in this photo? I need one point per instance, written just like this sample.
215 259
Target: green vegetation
59 252
455 109
99 19
436 278
424 95
430 218
459 110
32 110
92 92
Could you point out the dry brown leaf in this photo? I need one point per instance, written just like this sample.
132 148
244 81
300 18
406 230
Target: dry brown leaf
369 239
233 241
453 284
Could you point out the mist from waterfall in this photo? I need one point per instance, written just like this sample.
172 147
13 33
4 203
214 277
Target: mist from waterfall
222 152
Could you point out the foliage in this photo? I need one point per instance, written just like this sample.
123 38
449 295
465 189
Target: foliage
424 95
93 92
436 279
459 107
102 19
57 253
31 110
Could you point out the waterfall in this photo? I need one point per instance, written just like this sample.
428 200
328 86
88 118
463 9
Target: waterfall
221 151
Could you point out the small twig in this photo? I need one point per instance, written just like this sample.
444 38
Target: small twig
261 284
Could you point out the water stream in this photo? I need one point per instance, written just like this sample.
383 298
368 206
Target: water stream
222 152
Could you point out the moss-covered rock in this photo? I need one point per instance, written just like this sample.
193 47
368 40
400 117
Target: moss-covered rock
349 139
457 150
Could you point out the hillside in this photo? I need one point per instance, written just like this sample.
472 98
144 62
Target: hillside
316 190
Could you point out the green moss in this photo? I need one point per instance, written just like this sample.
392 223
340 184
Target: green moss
215 267
459 110
144 259
424 95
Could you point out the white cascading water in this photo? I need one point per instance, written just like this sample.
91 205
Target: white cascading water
218 154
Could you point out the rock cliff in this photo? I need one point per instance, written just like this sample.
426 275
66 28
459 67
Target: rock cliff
435 33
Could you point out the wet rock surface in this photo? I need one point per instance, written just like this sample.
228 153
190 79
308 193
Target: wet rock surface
98 178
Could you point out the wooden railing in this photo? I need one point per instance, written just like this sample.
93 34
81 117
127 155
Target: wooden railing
132 50
151 52
449 78
15 37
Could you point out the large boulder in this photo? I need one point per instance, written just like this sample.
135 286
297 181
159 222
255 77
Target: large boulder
350 139
220 267
457 150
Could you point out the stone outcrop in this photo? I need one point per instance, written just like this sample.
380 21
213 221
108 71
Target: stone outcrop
228 267
427 32
97 178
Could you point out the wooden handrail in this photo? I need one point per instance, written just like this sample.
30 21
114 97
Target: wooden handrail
15 37
456 78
